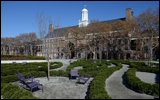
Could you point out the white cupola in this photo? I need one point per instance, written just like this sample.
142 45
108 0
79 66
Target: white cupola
84 21
84 15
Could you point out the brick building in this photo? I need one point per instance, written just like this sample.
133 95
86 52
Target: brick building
118 48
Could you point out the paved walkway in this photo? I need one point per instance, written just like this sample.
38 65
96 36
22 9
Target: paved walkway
117 88
64 67
59 88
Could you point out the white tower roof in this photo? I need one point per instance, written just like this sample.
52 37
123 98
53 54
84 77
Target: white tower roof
84 9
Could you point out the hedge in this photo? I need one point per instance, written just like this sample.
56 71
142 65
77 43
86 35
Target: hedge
136 84
18 94
32 57
141 67
97 86
10 69
10 91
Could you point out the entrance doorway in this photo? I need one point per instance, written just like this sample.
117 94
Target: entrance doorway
128 56
72 49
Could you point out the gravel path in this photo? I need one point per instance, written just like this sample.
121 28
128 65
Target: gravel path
117 88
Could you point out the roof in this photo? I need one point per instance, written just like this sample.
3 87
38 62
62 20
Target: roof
113 20
59 32
84 9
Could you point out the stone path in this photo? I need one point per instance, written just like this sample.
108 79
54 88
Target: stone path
117 88
64 67
59 88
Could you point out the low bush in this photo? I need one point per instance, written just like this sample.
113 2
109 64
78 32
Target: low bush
97 86
141 67
9 93
21 57
8 87
28 97
21 92
136 84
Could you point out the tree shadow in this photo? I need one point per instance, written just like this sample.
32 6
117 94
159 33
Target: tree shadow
157 78
87 93
33 90
124 81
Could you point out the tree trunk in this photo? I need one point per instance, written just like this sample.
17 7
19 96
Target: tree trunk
94 56
48 69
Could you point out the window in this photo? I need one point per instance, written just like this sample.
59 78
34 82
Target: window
111 48
123 47
111 35
145 48
105 48
58 49
111 41
145 55
122 41
128 47
128 41
117 41
116 48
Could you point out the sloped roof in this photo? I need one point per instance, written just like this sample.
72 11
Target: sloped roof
59 32
114 20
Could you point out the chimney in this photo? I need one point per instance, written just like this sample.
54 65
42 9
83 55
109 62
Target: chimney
56 27
129 14
51 28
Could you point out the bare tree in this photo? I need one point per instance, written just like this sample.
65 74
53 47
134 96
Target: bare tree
123 30
42 22
3 46
148 24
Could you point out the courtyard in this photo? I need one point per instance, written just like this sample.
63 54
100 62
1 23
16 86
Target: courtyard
59 87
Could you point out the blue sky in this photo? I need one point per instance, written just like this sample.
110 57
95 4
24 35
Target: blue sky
20 16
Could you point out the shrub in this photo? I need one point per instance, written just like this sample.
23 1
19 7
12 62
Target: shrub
6 88
9 93
28 97
3 84
97 87
18 94
136 84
